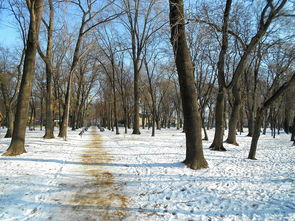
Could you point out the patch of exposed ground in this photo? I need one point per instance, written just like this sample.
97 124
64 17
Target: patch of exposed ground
100 197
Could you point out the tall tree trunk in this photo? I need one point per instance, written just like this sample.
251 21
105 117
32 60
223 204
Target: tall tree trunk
135 85
41 113
154 119
194 150
234 118
220 103
77 106
115 98
17 145
136 99
180 123
49 126
65 117
143 119
241 120
158 122
66 112
177 120
219 122
250 123
125 118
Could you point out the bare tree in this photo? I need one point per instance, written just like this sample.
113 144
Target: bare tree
192 119
47 58
16 146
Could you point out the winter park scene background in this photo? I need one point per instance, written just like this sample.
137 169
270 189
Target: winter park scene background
147 110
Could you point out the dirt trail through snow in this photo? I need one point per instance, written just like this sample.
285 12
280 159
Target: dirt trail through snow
101 198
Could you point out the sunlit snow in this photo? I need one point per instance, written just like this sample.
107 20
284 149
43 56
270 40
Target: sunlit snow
45 182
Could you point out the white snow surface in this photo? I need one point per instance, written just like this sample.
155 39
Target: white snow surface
42 183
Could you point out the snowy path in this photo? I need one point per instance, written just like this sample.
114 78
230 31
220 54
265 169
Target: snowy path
100 198
58 180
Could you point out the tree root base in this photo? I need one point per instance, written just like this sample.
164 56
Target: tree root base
232 142
48 136
196 165
214 148
13 153
252 158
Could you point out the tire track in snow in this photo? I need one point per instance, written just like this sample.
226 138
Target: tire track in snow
100 197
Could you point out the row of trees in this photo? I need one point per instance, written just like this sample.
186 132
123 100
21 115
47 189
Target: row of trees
213 64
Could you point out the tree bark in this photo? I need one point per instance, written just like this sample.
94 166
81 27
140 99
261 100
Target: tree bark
114 96
250 124
136 98
49 126
234 118
256 134
17 145
153 119
194 150
219 122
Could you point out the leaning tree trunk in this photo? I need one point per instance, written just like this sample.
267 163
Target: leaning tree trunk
259 112
66 112
194 150
17 145
234 118
256 134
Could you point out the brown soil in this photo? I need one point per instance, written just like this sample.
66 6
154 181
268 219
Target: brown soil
101 195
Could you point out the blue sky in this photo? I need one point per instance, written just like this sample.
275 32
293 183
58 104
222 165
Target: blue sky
9 35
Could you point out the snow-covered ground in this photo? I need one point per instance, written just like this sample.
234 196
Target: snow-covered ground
145 171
